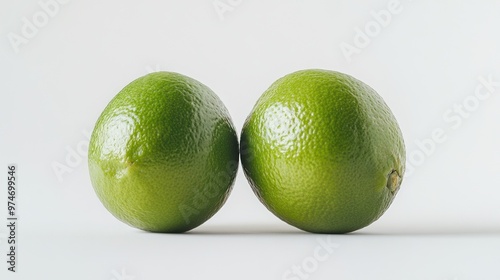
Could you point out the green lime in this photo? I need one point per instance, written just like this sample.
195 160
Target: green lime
164 153
323 152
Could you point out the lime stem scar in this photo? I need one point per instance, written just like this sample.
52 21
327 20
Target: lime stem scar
393 181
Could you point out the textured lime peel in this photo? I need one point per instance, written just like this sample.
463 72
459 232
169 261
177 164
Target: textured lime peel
323 152
164 153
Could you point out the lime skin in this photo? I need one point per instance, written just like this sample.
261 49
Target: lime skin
323 152
163 155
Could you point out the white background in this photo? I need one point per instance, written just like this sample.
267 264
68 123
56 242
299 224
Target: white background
425 61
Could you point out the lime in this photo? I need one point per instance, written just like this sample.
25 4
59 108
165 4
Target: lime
323 152
164 153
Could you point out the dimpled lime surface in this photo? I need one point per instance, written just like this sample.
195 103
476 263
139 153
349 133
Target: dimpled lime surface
323 152
164 153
